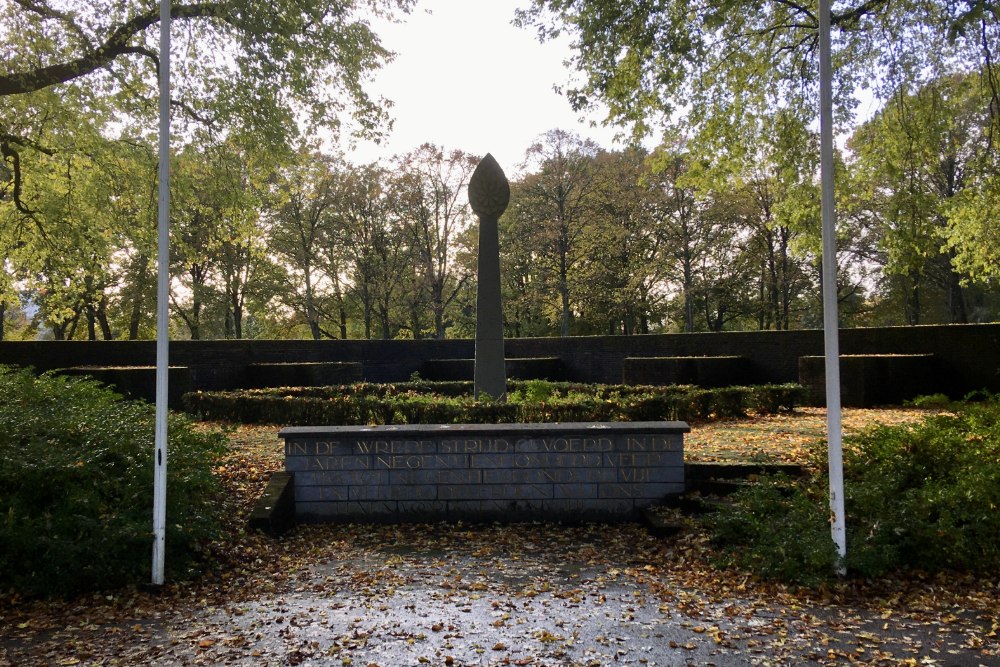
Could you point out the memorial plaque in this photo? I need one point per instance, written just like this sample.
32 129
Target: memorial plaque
572 471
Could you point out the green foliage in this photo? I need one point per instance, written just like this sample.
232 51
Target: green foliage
76 486
930 401
426 402
921 498
777 534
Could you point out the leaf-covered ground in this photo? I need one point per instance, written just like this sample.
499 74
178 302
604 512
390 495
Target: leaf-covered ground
532 594
784 438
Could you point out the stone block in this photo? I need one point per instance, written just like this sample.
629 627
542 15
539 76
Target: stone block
483 471
705 371
867 380
302 374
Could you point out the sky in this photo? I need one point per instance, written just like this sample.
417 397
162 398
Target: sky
465 78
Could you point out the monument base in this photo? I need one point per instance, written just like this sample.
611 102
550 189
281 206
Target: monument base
504 472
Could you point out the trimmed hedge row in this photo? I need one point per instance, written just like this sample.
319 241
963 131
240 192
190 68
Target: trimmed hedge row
452 403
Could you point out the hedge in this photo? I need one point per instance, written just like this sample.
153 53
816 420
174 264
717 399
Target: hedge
451 403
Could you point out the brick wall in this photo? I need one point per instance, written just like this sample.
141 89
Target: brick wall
966 357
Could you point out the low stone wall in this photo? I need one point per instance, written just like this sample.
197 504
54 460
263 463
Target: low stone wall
710 372
507 472
139 381
966 357
867 380
537 368
305 374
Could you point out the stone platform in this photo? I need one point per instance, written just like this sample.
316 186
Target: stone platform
507 472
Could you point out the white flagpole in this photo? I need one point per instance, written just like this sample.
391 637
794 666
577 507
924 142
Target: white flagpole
163 278
830 322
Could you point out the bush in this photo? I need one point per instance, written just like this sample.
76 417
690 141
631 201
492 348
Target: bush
777 533
921 497
76 486
422 402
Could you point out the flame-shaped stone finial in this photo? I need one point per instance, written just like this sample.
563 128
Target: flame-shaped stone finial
489 191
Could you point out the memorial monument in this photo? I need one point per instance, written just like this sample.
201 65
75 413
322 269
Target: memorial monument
489 194
509 472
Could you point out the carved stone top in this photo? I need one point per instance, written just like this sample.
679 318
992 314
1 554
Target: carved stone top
489 191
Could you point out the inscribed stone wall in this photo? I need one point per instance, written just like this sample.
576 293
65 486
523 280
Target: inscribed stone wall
501 471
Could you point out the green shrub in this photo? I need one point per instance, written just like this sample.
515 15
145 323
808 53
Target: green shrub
930 401
76 486
922 497
452 402
769 399
777 533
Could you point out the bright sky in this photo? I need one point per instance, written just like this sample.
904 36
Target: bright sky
465 78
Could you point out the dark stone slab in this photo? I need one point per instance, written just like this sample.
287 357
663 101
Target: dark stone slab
274 512
519 368
867 380
509 472
138 382
712 371
302 374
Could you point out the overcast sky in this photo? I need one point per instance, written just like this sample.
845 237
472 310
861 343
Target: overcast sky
465 78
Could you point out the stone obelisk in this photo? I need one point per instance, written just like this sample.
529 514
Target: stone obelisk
489 193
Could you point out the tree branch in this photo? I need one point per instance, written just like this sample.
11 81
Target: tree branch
116 45
851 18
798 9
9 152
45 11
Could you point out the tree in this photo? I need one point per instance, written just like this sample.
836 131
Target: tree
432 202
522 282
626 262
686 234
556 200
373 239
243 267
306 192
249 67
721 60
918 156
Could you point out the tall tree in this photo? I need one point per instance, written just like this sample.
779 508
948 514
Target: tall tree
432 201
247 66
686 234
918 157
374 241
555 196
626 261
306 193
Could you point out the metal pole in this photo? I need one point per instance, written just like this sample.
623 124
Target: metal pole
830 322
162 285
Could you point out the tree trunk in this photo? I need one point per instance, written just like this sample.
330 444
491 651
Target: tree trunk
91 323
3 317
135 315
911 305
194 325
102 318
237 316
956 297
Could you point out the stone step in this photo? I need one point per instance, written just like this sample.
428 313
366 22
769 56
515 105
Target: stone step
712 470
